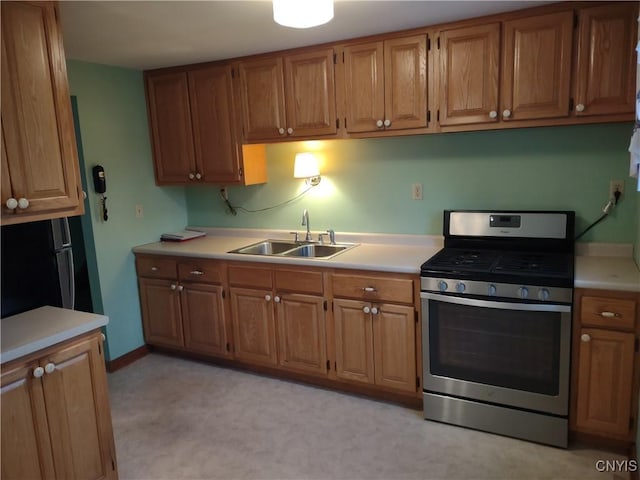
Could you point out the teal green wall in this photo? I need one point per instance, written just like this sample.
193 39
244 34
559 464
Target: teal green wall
367 183
113 124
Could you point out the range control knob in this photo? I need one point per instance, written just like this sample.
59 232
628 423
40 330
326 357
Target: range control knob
442 285
523 292
461 287
492 290
543 294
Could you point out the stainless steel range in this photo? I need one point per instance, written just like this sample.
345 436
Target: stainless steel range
496 306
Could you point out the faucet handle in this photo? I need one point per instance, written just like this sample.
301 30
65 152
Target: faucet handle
332 236
295 239
321 236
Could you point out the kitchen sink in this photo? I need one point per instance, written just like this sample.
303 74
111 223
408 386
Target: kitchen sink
293 249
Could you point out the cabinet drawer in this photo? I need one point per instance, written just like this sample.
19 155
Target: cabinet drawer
608 312
250 277
301 282
373 288
200 270
156 267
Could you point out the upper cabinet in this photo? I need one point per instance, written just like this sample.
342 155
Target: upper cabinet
385 85
194 129
40 170
605 74
288 97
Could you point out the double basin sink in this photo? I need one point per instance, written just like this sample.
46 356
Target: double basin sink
284 248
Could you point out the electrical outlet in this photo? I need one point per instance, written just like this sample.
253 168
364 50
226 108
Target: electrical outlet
616 185
139 211
416 191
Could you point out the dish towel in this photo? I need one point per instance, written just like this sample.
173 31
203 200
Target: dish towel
634 150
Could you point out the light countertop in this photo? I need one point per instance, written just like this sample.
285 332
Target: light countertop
607 273
42 327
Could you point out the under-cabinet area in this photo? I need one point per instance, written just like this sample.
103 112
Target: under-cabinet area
353 330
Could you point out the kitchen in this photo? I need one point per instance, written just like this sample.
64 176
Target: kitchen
369 182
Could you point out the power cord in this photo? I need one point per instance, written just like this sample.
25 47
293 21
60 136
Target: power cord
606 210
233 209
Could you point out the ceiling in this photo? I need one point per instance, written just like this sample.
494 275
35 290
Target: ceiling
153 34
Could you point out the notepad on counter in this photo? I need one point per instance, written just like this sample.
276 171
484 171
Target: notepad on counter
182 235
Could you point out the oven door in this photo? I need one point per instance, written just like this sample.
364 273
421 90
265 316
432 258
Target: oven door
499 352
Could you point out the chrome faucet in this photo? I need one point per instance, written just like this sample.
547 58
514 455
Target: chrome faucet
332 236
305 222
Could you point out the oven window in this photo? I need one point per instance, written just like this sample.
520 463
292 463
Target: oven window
506 348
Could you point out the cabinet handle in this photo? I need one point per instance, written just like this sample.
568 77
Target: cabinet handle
49 368
374 310
609 314
585 337
276 299
12 203
506 113
173 287
196 272
191 176
267 298
38 372
493 114
379 124
154 269
368 289
180 288
198 176
580 107
290 131
366 310
387 123
281 131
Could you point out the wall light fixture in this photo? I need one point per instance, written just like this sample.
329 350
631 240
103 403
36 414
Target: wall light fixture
306 166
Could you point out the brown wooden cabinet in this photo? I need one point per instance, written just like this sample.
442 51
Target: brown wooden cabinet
385 85
56 421
605 73
375 341
605 374
40 167
288 97
193 129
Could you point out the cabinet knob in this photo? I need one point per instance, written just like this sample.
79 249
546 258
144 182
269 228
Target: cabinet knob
374 310
506 113
191 176
585 337
198 175
493 114
580 107
12 204
38 372
49 368
379 124
290 131
276 299
369 289
267 298
387 123
103 337
196 272
281 131
154 269
173 287
23 203
366 310
180 288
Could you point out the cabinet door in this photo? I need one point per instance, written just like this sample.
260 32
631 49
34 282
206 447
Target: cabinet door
254 330
161 316
536 68
364 86
605 80
310 93
214 127
469 69
203 319
354 341
301 333
262 98
171 129
394 334
40 154
405 82
26 445
78 412
605 377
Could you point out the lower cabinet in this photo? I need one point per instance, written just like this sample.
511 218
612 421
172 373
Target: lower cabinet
56 420
605 374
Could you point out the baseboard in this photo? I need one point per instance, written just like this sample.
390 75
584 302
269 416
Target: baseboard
127 359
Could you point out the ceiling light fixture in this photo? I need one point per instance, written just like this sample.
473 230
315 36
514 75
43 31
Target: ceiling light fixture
306 166
302 13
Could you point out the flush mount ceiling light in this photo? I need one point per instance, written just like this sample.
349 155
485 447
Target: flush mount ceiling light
306 166
302 13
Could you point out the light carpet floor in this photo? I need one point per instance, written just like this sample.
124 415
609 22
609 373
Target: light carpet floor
180 419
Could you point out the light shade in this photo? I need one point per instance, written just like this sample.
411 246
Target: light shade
306 166
302 13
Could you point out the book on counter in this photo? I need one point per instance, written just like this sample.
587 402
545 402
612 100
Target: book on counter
181 236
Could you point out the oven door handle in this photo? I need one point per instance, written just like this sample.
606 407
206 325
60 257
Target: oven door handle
474 302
